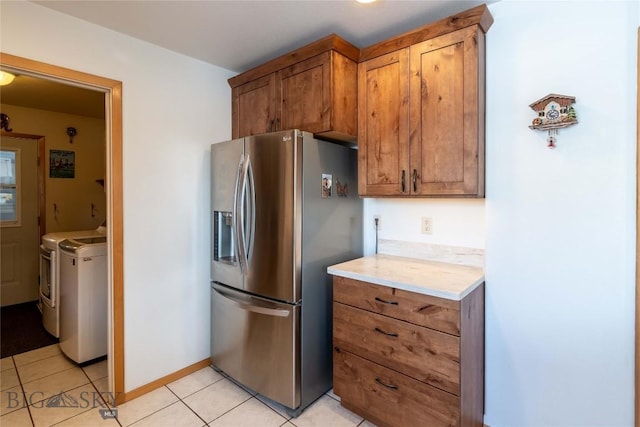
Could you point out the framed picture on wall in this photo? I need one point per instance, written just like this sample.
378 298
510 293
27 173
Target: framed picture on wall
62 164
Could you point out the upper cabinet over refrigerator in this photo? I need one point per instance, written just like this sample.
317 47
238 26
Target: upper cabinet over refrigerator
313 88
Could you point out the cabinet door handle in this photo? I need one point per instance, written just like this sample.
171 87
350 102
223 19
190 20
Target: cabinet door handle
385 302
403 180
415 180
382 383
389 334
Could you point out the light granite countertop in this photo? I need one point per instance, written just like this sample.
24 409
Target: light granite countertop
439 279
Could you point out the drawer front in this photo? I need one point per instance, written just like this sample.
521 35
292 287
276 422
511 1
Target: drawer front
389 398
429 356
424 310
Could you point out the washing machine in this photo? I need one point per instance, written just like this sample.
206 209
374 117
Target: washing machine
50 274
83 298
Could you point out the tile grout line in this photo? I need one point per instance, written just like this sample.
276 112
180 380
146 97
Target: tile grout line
28 404
90 381
47 376
198 390
154 412
24 395
224 376
37 360
329 395
99 392
286 420
63 391
253 395
41 360
189 407
192 393
68 418
179 399
226 412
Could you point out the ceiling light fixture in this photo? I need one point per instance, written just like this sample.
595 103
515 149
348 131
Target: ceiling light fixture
6 78
365 1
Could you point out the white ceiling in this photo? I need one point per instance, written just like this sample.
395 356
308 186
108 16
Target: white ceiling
236 35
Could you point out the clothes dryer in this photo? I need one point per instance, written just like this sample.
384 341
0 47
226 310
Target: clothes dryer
83 298
50 274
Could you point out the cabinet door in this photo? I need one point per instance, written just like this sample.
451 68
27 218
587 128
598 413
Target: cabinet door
447 114
383 125
253 107
305 95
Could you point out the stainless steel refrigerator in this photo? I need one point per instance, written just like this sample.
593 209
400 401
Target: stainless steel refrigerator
284 207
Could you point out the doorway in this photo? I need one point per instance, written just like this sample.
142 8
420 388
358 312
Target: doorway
22 221
113 186
20 210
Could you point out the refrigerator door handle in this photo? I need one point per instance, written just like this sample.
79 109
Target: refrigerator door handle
251 214
248 303
245 205
238 215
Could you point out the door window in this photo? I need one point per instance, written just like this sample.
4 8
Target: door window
9 187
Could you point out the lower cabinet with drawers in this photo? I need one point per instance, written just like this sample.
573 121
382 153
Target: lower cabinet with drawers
405 359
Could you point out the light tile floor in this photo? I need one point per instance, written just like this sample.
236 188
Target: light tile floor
31 381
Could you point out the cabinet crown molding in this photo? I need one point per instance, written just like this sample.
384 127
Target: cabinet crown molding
330 42
478 15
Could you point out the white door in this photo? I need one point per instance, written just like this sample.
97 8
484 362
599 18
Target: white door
19 229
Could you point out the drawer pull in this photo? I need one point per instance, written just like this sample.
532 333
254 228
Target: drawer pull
382 383
386 302
390 334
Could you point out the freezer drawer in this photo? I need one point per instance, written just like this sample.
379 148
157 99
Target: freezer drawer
254 340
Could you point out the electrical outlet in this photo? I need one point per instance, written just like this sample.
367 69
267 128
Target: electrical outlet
377 222
427 225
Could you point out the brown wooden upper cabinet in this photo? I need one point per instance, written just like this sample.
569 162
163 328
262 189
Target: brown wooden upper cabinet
421 101
313 88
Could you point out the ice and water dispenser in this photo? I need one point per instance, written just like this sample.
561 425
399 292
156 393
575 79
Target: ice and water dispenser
223 237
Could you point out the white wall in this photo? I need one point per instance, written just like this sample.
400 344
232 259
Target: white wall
560 247
173 108
456 222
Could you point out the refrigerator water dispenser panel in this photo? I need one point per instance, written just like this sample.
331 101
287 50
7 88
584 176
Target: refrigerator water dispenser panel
223 243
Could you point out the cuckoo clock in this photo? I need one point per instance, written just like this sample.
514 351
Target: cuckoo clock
553 112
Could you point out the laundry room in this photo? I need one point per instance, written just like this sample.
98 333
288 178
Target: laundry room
53 142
